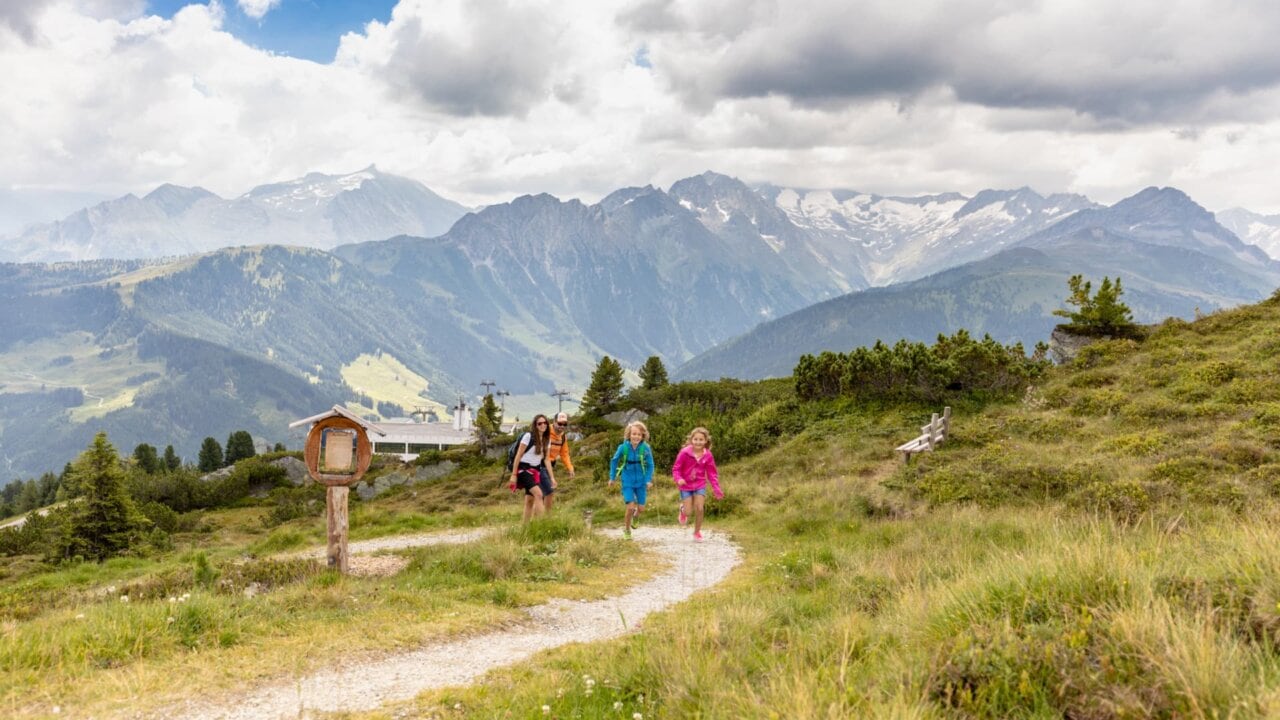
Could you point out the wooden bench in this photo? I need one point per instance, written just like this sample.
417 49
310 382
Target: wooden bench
931 435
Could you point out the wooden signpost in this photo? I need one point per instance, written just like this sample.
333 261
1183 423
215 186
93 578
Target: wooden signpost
337 453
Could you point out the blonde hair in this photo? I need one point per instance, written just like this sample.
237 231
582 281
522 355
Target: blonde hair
644 431
688 439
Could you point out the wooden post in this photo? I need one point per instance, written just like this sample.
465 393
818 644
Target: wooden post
946 422
336 500
931 433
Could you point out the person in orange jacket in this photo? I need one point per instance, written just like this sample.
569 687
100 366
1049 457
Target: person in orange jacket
558 450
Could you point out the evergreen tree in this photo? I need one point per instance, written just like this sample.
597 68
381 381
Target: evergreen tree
488 420
605 390
1101 314
210 455
653 373
48 489
239 447
171 460
279 447
147 460
28 496
105 522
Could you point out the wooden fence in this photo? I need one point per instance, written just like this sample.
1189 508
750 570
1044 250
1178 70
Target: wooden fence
931 435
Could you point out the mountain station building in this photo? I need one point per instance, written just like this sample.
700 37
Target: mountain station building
405 437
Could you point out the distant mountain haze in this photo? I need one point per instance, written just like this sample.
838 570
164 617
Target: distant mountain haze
1253 228
318 211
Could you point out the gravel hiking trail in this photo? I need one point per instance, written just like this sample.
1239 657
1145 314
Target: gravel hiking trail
402 676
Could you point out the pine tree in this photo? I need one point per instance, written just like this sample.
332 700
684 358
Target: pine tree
105 521
488 420
210 455
239 447
653 373
1100 315
171 460
147 460
605 390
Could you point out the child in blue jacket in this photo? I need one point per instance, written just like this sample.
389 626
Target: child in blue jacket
632 466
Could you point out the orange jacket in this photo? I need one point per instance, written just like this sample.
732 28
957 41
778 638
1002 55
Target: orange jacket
559 449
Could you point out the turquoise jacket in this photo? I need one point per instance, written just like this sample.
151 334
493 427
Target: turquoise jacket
632 466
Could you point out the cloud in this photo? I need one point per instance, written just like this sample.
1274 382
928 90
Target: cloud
466 57
1137 62
257 9
486 100
20 16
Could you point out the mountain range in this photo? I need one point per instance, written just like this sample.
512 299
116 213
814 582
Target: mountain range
1173 257
318 211
731 280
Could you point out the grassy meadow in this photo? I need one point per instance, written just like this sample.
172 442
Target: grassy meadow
1103 546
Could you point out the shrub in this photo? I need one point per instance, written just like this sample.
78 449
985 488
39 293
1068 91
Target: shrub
1215 373
1092 379
1267 477
1099 403
1241 453
1138 444
1185 470
1125 500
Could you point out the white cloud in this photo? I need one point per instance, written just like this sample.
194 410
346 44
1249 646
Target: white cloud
490 99
257 9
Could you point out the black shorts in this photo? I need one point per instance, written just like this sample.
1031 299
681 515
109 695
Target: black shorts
529 477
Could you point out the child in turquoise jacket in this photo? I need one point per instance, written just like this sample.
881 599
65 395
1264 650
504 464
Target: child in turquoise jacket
632 467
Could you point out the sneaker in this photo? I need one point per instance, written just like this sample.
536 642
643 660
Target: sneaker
684 519
626 533
697 536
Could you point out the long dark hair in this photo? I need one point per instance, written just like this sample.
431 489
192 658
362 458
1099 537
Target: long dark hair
542 439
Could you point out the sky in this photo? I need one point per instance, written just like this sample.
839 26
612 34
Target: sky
485 100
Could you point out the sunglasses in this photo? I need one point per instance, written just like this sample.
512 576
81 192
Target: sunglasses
542 422
560 424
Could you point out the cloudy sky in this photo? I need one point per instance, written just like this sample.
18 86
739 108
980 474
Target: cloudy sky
483 100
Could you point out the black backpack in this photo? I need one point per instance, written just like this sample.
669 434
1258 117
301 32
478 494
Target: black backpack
511 450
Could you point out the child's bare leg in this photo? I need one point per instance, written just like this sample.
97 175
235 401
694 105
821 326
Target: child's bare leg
631 511
699 502
686 506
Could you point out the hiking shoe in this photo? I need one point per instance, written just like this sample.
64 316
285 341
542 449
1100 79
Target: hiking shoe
697 536
626 533
684 519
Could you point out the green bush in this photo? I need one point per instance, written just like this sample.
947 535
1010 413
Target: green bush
1240 453
1125 500
1215 373
1099 403
1138 444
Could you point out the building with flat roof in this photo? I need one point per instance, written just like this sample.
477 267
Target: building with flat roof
406 437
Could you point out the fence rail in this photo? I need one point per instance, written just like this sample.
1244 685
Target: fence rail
931 435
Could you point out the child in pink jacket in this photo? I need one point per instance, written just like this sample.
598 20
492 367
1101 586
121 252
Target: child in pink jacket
693 469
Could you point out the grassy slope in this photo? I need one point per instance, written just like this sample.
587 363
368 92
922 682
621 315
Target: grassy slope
1105 548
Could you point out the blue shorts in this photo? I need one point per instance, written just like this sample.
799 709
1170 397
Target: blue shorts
686 494
634 494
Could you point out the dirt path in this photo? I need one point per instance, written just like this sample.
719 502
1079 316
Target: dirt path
694 567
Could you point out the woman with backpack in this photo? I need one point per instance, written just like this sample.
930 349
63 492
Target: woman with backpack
632 466
529 471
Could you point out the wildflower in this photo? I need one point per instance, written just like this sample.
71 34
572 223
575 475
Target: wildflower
173 599
57 709
457 706
590 682
80 616
546 709
170 619
111 589
124 598
637 716
588 692
617 705
640 699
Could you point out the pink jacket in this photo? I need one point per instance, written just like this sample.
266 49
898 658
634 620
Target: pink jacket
692 473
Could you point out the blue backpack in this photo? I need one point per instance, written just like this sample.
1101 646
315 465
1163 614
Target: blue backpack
511 450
